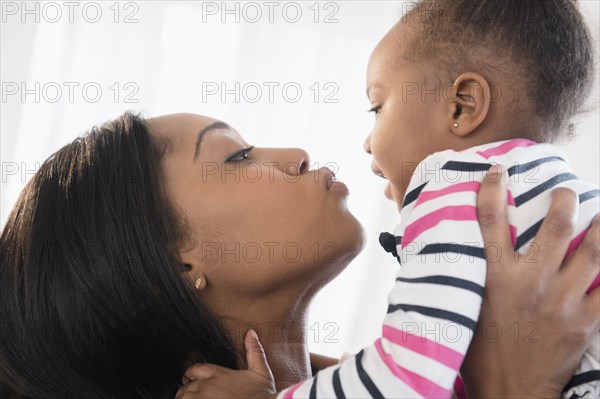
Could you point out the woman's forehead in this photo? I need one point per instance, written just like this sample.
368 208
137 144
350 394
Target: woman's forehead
187 133
175 126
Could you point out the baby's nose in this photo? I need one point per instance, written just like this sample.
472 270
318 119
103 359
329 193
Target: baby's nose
367 144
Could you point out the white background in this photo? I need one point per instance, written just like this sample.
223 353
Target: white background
176 47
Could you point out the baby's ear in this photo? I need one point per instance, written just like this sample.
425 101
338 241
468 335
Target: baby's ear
470 102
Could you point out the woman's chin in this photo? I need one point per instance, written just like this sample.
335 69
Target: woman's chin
356 232
351 242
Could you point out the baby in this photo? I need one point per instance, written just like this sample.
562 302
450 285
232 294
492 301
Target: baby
473 83
456 87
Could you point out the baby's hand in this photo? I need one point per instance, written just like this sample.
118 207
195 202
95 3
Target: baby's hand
211 381
320 362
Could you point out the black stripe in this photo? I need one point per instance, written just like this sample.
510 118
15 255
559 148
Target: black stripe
532 231
439 313
337 385
583 378
467 166
577 396
413 195
534 192
528 234
446 280
365 379
313 388
522 168
588 195
476 252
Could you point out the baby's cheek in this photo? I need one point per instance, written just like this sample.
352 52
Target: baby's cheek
398 171
385 156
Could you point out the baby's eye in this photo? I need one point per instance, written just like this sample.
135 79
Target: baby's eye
240 155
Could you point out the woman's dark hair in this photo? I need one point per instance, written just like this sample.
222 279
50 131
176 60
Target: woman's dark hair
93 303
545 43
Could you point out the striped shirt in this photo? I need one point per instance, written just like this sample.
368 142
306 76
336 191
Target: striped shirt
435 303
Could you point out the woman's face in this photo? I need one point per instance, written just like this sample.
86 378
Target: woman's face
260 221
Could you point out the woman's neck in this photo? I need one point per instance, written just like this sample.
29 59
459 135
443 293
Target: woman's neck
284 342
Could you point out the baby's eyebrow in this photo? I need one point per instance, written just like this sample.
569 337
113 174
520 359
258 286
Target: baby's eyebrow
213 126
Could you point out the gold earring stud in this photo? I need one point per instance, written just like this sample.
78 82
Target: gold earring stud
198 283
455 125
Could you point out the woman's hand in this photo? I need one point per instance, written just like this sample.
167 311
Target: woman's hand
536 320
210 381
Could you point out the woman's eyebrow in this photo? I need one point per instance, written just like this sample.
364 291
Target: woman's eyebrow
213 126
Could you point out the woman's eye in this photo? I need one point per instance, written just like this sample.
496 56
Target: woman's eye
375 110
240 155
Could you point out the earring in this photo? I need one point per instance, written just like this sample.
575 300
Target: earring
198 282
455 125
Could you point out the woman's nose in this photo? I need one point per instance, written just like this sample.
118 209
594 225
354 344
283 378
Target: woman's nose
301 160
294 161
367 144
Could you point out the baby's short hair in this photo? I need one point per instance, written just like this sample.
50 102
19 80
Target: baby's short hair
544 46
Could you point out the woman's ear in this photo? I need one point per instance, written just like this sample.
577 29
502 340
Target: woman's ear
195 274
192 269
470 100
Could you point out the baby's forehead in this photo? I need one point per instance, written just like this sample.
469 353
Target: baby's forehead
390 56
397 43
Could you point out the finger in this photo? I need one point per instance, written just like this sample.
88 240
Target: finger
320 362
582 268
493 216
553 237
200 371
592 303
191 387
255 355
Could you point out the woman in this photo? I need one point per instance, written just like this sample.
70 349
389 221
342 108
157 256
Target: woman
147 246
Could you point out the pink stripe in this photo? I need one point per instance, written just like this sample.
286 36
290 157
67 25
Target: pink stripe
459 388
424 346
418 383
462 213
505 148
472 186
513 234
594 285
576 241
513 229
289 394
510 199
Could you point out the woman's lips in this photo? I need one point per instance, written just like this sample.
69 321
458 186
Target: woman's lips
332 184
339 187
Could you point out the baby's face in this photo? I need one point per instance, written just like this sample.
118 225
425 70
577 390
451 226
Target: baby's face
413 115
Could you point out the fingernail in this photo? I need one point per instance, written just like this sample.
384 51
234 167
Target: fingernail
496 173
253 334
